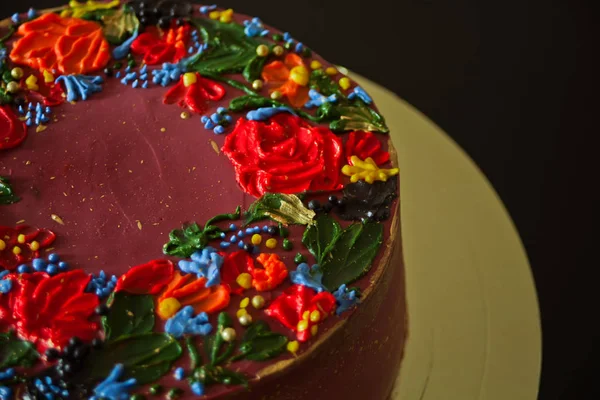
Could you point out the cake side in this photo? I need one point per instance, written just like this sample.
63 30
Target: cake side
103 185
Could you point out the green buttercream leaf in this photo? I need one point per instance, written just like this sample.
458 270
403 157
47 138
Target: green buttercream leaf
7 195
284 208
210 375
323 84
146 357
118 24
352 254
219 350
352 116
191 238
260 343
129 314
16 352
320 237
229 51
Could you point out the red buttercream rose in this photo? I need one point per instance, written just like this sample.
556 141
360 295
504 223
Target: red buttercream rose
149 278
12 130
48 311
363 145
285 155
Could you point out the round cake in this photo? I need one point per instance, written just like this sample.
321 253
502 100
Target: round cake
192 204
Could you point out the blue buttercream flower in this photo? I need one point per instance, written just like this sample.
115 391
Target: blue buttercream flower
172 72
360 93
255 28
308 276
205 264
265 113
111 388
317 99
47 386
217 121
184 322
100 285
5 287
345 299
80 86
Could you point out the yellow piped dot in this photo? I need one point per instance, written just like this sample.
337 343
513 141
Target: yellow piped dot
17 250
224 16
2 245
300 75
168 307
21 238
314 64
189 78
262 50
315 316
240 312
31 83
244 280
302 325
16 73
276 95
185 115
271 243
293 346
314 329
345 83
306 315
48 77
256 239
331 71
244 303
34 246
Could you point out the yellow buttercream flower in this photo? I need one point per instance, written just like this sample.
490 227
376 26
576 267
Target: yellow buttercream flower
367 170
78 10
224 16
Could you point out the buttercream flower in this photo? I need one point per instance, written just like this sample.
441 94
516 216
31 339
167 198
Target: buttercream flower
12 130
21 244
69 45
149 278
284 155
234 264
290 77
159 47
271 275
300 309
48 311
187 290
194 92
364 145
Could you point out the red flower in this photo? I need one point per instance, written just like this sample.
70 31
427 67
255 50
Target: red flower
363 145
301 308
158 47
284 155
235 264
48 311
12 131
196 94
149 278
29 241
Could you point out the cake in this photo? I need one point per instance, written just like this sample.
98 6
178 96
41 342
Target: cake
192 204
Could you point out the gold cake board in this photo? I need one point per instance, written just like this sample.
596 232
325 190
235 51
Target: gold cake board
474 330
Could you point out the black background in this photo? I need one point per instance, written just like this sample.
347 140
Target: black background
511 82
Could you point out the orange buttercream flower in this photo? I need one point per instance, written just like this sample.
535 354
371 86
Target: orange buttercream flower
289 77
272 275
69 45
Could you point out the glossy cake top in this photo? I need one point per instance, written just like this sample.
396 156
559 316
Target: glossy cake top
188 198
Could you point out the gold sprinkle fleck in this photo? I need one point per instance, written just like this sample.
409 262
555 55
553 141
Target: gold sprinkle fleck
215 146
155 224
163 129
19 221
141 162
52 178
49 249
124 122
129 313
130 171
27 162
91 209
65 194
57 219
139 225
41 128
73 102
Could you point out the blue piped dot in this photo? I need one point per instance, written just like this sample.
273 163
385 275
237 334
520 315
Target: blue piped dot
222 235
145 85
23 268
219 130
249 231
232 227
52 269
233 238
39 264
204 119
241 234
265 228
178 374
63 265
53 258
224 245
221 110
241 244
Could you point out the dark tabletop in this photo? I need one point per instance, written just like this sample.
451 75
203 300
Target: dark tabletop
511 82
